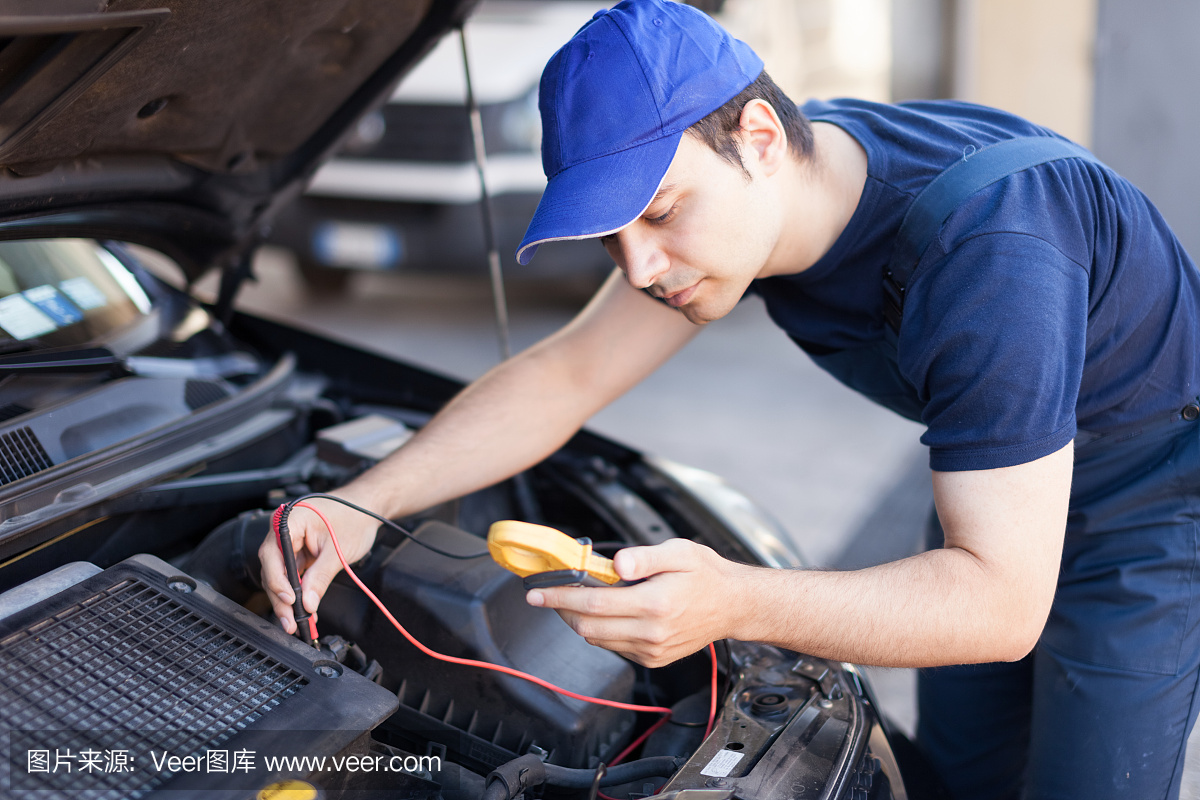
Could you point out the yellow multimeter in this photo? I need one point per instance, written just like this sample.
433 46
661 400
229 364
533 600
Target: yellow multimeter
547 557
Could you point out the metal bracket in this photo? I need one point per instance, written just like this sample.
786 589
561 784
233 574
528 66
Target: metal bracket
821 675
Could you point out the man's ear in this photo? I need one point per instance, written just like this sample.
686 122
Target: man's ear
763 137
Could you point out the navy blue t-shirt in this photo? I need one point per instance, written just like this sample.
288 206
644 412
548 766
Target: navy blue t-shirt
1053 301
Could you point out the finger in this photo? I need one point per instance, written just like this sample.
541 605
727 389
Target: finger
626 637
274 581
635 563
274 576
606 602
318 577
613 633
597 631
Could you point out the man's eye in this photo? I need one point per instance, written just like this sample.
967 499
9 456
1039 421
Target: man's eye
664 218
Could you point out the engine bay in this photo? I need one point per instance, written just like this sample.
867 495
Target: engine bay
132 617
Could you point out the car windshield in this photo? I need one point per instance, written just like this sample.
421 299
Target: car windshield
64 293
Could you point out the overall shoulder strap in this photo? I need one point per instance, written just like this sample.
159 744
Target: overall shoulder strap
945 193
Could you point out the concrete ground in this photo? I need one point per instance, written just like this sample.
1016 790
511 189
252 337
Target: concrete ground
847 478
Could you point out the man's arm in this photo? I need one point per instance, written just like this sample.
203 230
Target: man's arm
983 597
506 421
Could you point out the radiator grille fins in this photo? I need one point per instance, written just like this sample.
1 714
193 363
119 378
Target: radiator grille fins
21 455
131 669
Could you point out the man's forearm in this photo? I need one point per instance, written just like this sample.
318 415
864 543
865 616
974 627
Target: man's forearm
936 608
984 597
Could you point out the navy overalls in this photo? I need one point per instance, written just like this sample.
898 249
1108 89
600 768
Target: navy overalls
1103 705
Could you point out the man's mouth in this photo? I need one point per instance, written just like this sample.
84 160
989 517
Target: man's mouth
677 299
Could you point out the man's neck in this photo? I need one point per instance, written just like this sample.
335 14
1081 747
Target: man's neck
820 196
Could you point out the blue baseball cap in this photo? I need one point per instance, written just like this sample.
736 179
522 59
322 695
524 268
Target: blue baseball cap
615 102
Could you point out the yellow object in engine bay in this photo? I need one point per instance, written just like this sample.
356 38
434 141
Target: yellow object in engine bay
532 550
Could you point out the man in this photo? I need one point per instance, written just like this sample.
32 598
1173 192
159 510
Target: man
1046 335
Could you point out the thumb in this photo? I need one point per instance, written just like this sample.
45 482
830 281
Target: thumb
635 563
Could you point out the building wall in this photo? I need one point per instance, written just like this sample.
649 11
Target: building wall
1147 109
922 49
818 48
1118 76
1031 57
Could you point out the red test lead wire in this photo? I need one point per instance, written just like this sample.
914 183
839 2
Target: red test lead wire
712 702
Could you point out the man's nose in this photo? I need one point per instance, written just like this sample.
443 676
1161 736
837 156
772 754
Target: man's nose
643 262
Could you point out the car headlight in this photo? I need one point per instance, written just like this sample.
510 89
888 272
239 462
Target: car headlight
521 124
753 525
367 133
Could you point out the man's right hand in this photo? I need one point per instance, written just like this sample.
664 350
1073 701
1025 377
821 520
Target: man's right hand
316 558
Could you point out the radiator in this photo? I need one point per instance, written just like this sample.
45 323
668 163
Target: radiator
107 684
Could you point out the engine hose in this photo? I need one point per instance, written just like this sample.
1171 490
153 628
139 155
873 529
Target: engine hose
227 558
513 777
510 779
657 766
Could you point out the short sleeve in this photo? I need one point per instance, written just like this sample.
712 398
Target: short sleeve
994 339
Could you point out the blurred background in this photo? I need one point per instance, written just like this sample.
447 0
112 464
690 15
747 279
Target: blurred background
387 248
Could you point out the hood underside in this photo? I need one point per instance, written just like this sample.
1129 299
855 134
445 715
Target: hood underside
214 108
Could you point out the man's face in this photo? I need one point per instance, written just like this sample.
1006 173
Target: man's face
708 232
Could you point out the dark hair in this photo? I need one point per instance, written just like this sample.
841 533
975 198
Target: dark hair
717 129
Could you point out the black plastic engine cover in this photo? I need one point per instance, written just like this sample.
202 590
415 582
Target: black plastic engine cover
476 609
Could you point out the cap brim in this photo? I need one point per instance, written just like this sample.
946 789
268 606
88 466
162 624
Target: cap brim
600 196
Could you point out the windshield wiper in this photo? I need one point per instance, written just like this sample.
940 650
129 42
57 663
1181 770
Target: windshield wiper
84 359
101 359
9 346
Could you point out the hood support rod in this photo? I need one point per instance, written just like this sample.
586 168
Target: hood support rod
524 496
489 224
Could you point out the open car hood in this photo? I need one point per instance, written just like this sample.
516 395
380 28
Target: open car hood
183 124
